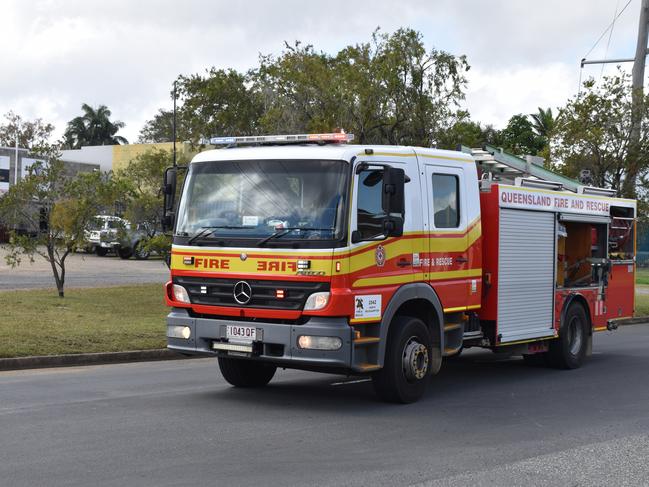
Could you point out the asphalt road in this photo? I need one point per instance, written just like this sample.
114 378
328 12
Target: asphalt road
486 420
82 270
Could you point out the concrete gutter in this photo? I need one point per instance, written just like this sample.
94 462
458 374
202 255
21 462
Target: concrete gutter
78 359
38 362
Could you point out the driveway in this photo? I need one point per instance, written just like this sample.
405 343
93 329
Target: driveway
82 270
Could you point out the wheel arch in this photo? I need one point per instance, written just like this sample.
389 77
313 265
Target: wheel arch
578 298
419 301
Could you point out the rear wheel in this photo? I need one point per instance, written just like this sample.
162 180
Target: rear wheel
124 253
141 252
407 364
101 251
569 350
246 373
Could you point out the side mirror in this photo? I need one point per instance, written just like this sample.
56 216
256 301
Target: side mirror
169 187
169 191
392 195
393 226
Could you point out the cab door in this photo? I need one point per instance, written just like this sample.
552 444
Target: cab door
377 261
448 259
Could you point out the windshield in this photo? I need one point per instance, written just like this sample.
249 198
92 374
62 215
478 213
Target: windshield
291 200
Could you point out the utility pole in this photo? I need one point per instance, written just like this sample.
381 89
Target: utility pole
637 97
637 101
16 153
174 124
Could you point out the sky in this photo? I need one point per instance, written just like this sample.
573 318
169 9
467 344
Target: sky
524 54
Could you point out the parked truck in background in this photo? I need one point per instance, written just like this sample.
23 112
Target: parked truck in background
308 252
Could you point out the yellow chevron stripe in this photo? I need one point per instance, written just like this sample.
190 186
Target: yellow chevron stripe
417 276
460 159
461 308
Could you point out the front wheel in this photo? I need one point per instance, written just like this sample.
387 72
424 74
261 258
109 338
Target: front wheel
408 362
101 251
246 373
569 350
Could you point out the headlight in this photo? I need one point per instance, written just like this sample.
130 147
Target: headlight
316 301
319 343
181 294
179 332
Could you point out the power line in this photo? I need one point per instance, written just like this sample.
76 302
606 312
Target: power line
607 29
610 34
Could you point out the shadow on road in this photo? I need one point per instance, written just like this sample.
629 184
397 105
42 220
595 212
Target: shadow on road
476 379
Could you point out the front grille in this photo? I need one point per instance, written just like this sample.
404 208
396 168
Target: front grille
219 292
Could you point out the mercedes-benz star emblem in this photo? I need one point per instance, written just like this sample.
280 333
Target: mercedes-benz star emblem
242 292
243 256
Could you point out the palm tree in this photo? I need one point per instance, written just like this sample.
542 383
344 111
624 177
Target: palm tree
543 122
94 127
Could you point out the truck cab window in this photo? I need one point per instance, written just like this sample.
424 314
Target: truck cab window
446 200
370 213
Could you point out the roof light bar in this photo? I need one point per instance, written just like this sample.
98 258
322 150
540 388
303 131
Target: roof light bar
282 139
592 190
538 183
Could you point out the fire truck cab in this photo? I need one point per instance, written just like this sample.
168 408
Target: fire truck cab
383 260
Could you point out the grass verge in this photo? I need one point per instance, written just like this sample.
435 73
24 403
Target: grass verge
642 302
642 276
112 319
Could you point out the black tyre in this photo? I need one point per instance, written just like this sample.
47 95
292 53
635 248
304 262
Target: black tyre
408 358
141 253
124 253
569 350
246 373
101 251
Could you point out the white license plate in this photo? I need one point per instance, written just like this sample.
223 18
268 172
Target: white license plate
247 333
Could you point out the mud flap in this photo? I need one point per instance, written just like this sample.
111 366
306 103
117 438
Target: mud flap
589 344
436 359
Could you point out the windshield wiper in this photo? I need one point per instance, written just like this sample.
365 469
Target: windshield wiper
286 230
205 231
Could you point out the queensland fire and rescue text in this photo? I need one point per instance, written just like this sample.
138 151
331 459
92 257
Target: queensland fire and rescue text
308 252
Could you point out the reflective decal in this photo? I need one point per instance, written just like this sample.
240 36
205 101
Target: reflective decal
368 306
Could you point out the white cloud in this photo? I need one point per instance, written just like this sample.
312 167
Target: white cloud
497 94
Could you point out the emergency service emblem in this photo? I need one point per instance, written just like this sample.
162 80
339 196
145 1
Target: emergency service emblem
379 256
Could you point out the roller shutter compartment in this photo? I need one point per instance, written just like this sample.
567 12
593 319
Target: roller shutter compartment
526 265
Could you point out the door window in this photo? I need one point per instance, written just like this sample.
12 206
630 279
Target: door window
446 200
370 213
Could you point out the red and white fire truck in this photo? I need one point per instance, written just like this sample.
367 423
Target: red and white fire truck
308 252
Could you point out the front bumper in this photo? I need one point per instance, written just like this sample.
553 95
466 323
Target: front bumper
277 343
109 245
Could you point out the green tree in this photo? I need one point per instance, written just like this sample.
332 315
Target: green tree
389 90
519 137
467 133
158 129
53 211
141 179
219 103
31 134
593 133
94 127
543 122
